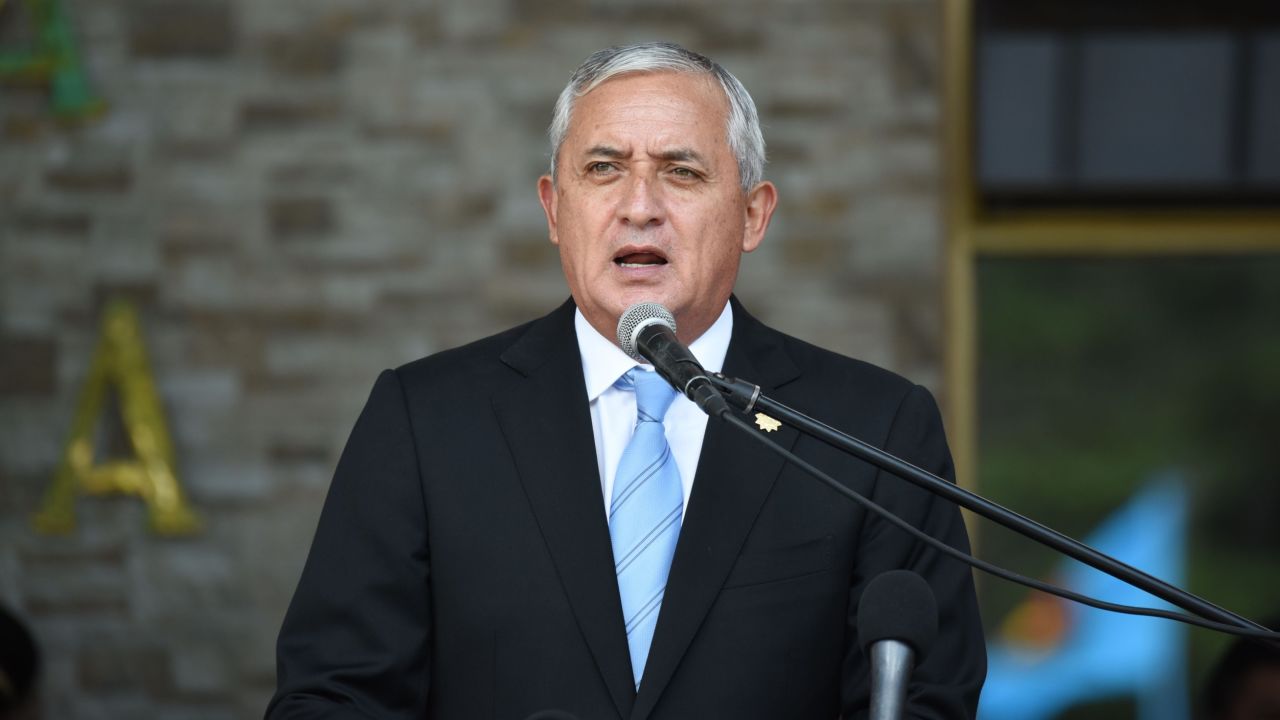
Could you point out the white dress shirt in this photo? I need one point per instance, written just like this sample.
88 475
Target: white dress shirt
613 411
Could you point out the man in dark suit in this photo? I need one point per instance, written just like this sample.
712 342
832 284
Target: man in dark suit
467 561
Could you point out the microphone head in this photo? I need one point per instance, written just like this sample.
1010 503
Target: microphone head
638 317
898 605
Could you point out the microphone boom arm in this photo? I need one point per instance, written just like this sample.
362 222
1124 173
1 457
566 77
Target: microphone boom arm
747 397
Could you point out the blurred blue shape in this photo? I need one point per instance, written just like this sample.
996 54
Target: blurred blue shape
1106 655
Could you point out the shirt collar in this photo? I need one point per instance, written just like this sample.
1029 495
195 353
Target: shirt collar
603 362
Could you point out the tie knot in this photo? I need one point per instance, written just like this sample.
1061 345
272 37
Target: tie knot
653 394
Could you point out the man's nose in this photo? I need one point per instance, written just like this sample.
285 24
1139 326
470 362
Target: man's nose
641 204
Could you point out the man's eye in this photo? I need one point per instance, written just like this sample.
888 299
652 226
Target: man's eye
600 168
684 173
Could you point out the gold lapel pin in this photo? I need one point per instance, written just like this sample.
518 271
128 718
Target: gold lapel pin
766 423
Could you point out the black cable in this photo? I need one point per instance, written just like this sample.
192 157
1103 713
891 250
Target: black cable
983 565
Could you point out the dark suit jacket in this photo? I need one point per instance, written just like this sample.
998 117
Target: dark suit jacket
462 566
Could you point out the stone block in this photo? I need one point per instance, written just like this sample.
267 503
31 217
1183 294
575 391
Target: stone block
39 221
312 172
919 340
896 234
253 652
313 51
294 217
909 160
89 706
118 665
142 294
279 113
198 390
24 116
171 29
914 48
205 284
212 479
475 19
199 118
295 354
294 452
529 255
90 177
69 555
36 299
203 710
27 365
75 588
813 252
183 230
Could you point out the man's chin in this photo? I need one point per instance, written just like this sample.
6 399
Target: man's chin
640 295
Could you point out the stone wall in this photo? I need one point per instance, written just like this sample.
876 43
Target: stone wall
298 193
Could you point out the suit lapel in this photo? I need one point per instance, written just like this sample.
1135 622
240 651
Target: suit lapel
547 423
733 480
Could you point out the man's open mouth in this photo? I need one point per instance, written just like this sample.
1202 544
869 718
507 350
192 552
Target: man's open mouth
639 258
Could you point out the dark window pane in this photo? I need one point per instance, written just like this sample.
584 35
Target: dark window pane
1264 158
1155 110
1018 110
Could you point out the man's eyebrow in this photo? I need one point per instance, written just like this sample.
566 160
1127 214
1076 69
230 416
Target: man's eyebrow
605 151
682 155
672 155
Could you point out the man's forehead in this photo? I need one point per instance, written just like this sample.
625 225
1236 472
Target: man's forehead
675 84
602 117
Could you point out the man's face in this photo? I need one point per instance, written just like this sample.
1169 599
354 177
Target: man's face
647 203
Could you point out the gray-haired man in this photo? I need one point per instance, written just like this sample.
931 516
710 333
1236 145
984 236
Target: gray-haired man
469 562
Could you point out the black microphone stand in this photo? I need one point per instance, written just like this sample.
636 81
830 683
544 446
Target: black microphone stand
748 398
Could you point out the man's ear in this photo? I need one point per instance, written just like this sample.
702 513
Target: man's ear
761 201
547 196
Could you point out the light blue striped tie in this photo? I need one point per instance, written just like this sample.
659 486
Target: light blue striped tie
644 514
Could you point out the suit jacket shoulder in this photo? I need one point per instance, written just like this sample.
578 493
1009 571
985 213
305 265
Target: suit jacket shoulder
853 395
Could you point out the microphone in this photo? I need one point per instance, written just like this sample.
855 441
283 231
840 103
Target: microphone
897 623
647 332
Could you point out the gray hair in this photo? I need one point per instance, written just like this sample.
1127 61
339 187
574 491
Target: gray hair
745 139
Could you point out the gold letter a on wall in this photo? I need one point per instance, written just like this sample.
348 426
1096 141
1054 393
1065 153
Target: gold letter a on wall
119 361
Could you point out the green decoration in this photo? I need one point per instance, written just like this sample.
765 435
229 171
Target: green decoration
55 59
